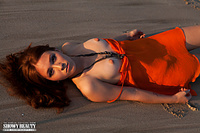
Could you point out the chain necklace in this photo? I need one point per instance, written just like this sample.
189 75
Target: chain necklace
106 53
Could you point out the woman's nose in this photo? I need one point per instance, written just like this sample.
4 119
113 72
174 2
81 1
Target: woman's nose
60 66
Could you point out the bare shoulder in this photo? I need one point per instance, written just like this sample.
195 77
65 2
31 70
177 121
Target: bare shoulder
94 44
95 89
83 82
97 44
69 46
86 84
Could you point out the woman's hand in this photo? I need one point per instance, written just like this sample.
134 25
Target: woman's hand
183 96
130 35
135 34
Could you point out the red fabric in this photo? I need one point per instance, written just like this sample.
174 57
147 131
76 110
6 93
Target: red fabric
160 63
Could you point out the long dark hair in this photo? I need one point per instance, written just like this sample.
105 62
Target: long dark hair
25 82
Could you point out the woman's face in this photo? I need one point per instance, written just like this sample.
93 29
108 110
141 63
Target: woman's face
55 66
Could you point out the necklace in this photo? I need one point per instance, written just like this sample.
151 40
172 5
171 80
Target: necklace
106 53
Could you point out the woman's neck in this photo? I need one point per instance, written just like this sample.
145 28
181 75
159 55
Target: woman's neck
80 64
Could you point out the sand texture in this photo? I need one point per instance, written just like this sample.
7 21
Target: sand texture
57 21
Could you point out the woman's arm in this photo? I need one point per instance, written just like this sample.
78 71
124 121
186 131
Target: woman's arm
131 35
192 35
99 91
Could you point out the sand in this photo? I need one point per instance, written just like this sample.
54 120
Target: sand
57 21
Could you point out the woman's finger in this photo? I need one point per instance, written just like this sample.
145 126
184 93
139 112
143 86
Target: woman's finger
183 89
142 36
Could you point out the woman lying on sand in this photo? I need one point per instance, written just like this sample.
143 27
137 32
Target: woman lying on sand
156 69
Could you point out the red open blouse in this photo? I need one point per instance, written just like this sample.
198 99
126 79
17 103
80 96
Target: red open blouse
160 63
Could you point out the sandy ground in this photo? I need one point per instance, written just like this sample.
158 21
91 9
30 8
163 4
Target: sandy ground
57 21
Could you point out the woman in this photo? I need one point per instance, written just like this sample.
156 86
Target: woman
156 69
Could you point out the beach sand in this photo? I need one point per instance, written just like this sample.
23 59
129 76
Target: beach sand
58 21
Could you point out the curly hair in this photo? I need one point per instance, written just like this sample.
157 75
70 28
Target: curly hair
26 83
